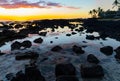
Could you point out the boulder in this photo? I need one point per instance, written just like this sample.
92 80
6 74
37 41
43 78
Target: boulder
90 37
78 49
26 44
91 71
73 33
38 40
65 72
92 59
108 50
16 45
68 34
117 50
33 74
42 33
56 49
27 55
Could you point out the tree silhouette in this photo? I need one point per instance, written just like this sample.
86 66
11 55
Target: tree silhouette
116 3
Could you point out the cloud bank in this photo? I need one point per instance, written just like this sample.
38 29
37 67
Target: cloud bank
12 4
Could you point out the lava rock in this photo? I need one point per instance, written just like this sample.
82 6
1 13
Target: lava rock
68 34
16 46
9 76
33 74
108 50
27 55
42 33
92 59
91 71
90 37
78 49
38 40
73 33
65 72
56 49
26 44
117 50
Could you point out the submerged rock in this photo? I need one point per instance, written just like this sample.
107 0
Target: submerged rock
117 50
91 71
65 72
42 33
90 37
108 50
56 49
26 44
38 40
68 34
16 45
92 59
78 49
27 55
31 74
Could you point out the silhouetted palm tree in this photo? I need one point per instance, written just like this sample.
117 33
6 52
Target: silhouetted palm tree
94 13
100 12
116 3
91 13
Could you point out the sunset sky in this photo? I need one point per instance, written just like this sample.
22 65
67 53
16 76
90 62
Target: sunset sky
49 9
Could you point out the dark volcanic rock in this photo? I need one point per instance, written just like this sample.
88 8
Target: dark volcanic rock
56 49
38 40
26 44
117 56
78 49
1 53
65 72
42 33
91 71
9 76
16 46
90 37
27 55
68 34
108 50
33 74
92 59
73 33
117 50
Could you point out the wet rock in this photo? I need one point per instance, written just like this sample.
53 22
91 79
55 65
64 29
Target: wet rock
27 55
56 37
92 59
51 41
9 76
78 49
91 71
117 50
42 33
73 33
90 37
26 44
65 72
108 50
68 34
56 49
16 46
38 40
1 53
33 74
